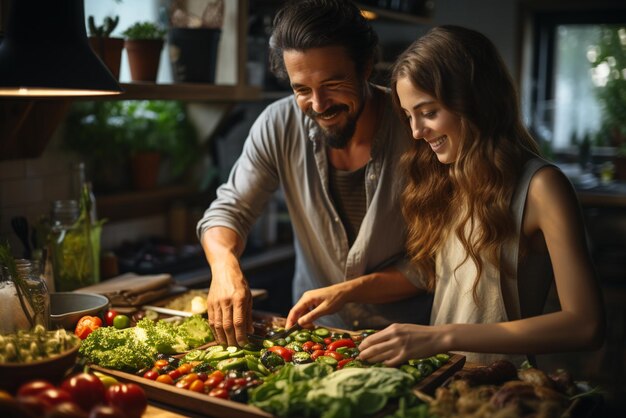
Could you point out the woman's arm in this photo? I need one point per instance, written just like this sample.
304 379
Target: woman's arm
552 210
380 287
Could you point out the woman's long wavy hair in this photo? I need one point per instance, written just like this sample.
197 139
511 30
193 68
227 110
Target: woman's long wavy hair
463 71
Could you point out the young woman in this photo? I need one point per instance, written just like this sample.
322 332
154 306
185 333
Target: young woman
491 224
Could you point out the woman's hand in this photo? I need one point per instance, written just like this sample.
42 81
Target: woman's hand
316 303
398 343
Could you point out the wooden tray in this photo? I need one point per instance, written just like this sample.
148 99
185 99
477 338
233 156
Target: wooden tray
201 403
185 399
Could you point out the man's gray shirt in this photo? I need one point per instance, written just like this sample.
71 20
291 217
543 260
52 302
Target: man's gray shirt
284 149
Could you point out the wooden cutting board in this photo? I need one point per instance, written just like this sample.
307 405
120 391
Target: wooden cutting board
203 404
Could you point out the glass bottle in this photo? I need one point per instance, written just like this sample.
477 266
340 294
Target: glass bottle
37 296
71 247
79 182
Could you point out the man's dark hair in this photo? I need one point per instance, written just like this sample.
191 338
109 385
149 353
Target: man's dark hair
304 24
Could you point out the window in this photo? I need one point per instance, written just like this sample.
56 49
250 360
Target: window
578 78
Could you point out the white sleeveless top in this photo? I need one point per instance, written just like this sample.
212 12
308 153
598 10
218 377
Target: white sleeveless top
499 299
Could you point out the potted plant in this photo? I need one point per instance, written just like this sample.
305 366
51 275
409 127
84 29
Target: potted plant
193 41
144 42
153 138
108 48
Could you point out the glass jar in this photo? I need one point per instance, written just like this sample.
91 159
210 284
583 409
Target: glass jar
21 308
71 247
36 293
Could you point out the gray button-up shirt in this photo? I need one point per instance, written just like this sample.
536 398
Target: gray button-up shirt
284 150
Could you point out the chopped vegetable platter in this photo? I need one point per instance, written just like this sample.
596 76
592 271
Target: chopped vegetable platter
307 373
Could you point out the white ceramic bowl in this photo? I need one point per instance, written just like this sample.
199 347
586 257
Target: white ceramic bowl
66 308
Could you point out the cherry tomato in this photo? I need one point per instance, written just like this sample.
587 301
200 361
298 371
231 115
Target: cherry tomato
164 378
34 388
85 389
315 354
184 368
121 321
110 316
328 340
197 386
174 374
128 397
344 342
307 346
86 325
343 362
285 353
337 356
151 374
219 393
317 347
161 363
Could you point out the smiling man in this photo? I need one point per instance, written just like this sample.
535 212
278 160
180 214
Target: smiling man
334 149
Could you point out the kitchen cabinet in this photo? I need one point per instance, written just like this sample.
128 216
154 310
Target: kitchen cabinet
26 125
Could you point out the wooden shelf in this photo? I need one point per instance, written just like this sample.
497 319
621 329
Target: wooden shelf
135 204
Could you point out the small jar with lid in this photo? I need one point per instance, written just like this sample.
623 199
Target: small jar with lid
71 247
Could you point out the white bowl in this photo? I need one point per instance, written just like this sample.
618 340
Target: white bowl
66 308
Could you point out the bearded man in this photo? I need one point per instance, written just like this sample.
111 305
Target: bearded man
334 148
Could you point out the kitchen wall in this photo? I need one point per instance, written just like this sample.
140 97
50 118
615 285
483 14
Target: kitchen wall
27 187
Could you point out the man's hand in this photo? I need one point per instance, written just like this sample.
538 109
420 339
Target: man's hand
229 303
229 307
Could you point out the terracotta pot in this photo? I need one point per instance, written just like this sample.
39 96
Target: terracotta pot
145 169
110 52
143 58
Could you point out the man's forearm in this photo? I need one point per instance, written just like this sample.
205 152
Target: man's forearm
221 245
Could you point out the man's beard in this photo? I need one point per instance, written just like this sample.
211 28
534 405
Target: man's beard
337 136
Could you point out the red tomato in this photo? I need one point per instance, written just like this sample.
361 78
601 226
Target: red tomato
343 362
344 342
151 374
328 340
315 354
219 393
54 396
85 389
285 353
174 374
86 325
33 388
307 346
128 397
317 347
337 356
110 316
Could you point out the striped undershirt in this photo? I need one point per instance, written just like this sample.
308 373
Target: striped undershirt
347 189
